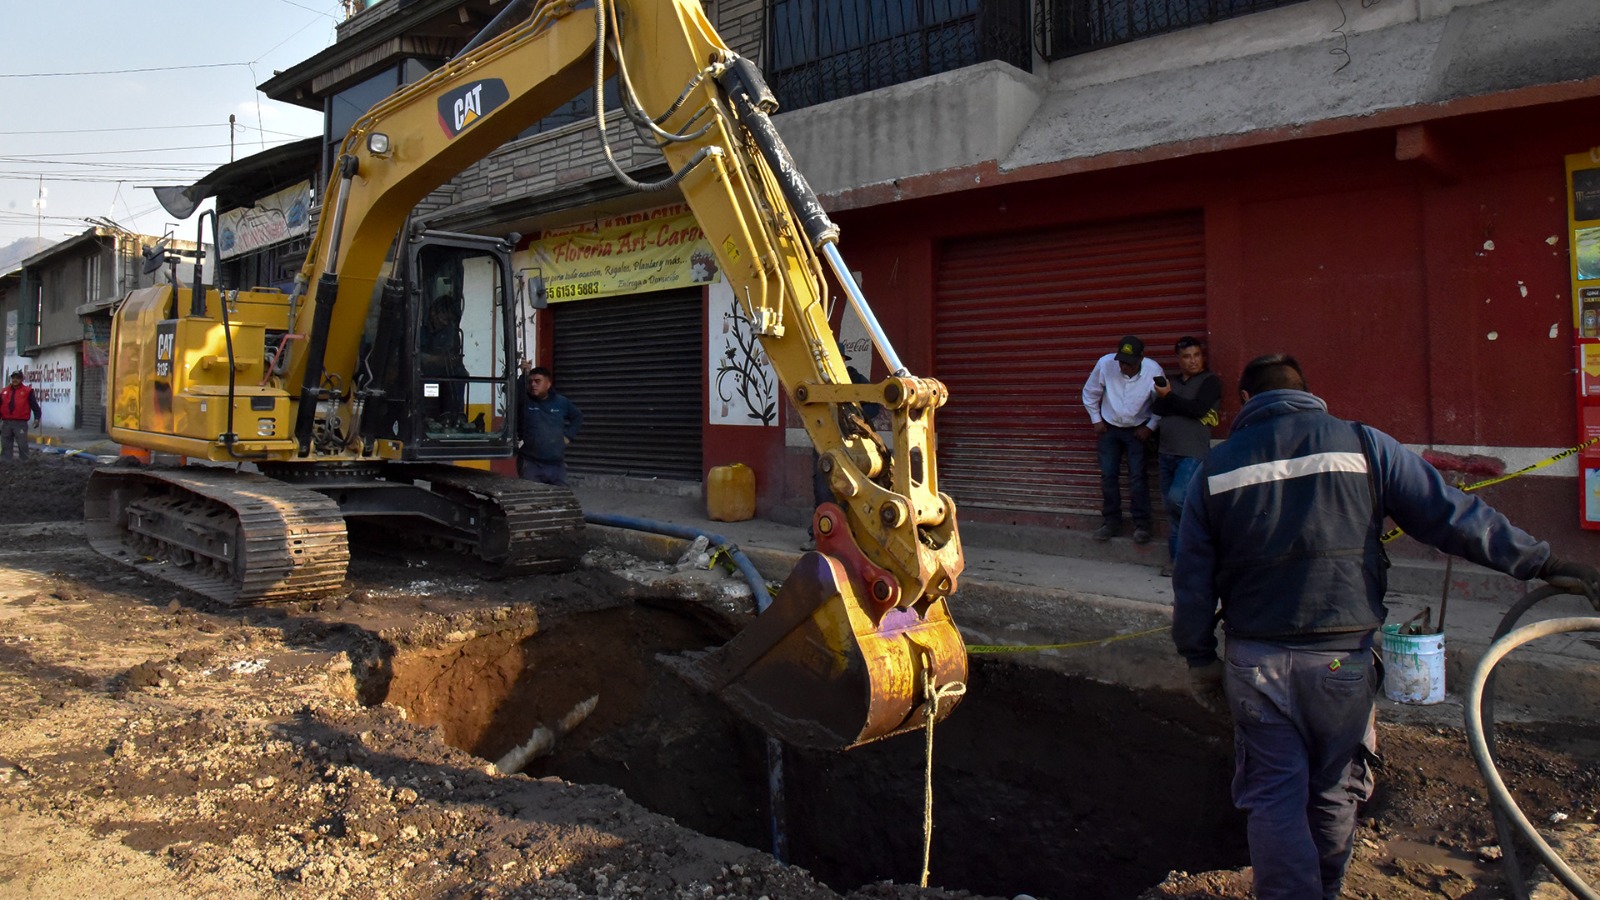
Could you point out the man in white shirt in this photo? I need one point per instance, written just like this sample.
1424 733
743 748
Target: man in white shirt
1118 395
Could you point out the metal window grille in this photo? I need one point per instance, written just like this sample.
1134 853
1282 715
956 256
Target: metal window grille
827 49
1068 27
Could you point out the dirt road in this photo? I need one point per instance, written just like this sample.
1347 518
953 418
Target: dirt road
152 744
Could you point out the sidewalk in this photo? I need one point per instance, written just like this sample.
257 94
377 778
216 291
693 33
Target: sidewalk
1029 586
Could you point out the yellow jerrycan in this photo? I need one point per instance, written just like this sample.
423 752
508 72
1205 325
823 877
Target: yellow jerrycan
731 493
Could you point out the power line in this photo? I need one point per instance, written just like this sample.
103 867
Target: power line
17 157
150 128
308 9
122 71
39 157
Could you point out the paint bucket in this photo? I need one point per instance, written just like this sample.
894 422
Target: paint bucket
1413 666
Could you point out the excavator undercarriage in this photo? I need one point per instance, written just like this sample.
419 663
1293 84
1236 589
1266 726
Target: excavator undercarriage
242 538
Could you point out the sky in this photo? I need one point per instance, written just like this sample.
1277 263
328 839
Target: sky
100 99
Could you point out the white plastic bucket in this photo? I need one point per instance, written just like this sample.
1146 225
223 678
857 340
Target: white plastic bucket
1413 666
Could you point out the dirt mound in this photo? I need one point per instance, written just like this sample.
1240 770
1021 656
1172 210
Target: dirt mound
45 487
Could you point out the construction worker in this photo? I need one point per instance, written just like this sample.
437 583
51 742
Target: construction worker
1281 527
17 406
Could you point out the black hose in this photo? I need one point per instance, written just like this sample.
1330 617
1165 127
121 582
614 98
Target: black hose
1478 732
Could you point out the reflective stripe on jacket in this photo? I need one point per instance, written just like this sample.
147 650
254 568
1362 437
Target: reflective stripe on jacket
1279 527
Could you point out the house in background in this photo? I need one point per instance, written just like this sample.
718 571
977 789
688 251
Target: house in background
1377 187
57 306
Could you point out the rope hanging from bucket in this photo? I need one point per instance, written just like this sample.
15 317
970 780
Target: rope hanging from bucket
932 693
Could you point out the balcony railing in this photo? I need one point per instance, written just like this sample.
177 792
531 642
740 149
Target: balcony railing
827 49
1068 27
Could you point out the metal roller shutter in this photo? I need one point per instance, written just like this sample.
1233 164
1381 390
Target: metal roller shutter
1020 319
633 366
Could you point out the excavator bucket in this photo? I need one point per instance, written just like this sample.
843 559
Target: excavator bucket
822 669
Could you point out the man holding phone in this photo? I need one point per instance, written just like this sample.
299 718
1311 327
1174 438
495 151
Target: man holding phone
1118 397
1188 407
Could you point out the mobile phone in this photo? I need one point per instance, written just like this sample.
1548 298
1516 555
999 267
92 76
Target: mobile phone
1161 381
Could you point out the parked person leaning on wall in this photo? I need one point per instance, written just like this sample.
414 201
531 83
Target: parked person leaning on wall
1117 396
1188 403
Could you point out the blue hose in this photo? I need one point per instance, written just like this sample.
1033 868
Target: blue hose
758 585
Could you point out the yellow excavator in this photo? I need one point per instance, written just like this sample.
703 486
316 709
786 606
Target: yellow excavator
343 404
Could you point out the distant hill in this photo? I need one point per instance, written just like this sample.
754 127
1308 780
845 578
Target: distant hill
19 250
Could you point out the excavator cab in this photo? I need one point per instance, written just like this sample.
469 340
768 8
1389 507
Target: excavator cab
440 368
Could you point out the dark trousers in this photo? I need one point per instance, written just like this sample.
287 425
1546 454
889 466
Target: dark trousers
1175 473
1115 444
545 473
1303 738
14 434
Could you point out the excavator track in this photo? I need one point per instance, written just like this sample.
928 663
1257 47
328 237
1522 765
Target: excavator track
530 527
235 537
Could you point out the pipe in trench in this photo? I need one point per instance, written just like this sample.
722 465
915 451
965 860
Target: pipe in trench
758 587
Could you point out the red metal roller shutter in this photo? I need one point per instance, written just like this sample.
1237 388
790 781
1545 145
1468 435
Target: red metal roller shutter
1020 319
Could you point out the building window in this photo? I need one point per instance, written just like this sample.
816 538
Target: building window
1068 27
827 49
91 279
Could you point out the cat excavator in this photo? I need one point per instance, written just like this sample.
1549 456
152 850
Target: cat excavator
343 405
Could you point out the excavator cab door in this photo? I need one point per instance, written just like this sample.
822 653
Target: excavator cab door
448 379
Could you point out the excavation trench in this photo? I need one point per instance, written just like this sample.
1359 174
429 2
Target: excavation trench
1043 784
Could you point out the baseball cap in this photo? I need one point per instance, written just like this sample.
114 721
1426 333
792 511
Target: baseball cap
1130 349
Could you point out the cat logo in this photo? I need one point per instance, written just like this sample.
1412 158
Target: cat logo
460 108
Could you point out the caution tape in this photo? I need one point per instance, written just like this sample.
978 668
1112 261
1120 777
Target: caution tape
1570 451
996 648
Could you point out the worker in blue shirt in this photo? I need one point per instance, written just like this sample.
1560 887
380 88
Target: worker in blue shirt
1279 542
548 423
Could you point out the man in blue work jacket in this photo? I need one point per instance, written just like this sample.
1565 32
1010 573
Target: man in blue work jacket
549 422
1281 527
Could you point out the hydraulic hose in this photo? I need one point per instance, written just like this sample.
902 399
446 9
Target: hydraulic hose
1478 740
758 586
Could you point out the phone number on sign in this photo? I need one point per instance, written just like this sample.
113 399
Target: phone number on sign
582 289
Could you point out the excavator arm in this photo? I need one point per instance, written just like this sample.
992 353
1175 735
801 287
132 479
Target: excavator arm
861 632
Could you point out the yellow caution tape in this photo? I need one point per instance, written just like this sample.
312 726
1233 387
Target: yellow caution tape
1570 451
995 648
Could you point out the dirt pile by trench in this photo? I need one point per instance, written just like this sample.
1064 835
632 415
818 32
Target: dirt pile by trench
153 745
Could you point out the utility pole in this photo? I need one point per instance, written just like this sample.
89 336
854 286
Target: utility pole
230 137
38 206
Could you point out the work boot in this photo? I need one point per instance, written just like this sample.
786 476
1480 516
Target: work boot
1106 531
1141 534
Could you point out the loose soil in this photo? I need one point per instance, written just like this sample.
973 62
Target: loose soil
153 744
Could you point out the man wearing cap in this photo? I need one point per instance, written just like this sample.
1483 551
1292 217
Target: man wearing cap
17 405
1118 397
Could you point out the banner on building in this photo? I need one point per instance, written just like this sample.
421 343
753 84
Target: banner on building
273 219
653 250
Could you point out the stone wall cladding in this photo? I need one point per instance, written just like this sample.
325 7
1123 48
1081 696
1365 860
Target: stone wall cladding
558 160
